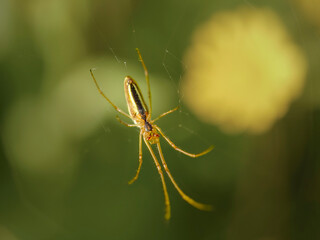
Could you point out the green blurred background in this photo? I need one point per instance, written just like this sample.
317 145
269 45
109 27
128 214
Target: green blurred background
65 160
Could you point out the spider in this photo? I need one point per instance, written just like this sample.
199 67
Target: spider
150 133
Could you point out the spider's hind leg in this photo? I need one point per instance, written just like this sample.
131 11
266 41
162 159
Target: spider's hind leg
124 123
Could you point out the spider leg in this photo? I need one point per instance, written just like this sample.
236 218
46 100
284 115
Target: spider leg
189 200
124 123
166 196
140 160
100 91
147 79
165 114
179 149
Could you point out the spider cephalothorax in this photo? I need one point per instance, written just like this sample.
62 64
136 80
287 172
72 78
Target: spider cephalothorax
152 136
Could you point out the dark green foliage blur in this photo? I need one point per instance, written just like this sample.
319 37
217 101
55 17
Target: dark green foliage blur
73 185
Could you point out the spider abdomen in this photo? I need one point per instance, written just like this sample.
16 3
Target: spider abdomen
137 107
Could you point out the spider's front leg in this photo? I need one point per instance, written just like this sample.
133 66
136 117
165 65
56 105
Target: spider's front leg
140 159
165 191
193 155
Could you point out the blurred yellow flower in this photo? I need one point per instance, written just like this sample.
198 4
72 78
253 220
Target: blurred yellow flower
242 70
